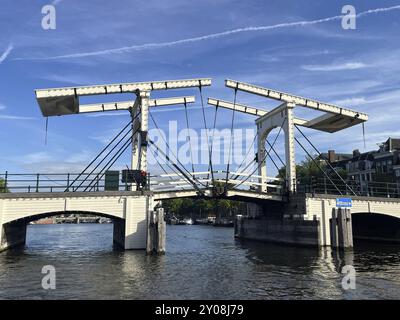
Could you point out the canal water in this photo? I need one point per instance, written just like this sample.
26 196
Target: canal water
202 262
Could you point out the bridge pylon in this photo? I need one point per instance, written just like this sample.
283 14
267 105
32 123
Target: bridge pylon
334 119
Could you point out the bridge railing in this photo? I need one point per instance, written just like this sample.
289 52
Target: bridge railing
350 187
74 182
176 182
60 182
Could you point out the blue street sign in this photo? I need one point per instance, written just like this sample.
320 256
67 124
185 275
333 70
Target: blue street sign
344 203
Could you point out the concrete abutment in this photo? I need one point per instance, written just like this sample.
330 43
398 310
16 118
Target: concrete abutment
314 220
13 234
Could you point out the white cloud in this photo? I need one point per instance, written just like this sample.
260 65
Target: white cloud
9 117
107 114
2 106
351 101
6 53
335 67
156 45
37 157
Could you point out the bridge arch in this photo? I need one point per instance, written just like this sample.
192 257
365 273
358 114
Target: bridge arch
40 215
13 233
376 226
128 211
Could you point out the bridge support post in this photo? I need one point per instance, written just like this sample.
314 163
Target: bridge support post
341 229
282 117
262 169
12 234
156 232
130 232
144 127
290 148
139 139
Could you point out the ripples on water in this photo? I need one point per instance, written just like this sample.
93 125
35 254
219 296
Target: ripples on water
202 262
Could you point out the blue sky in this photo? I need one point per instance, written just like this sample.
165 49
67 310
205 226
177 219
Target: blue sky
100 41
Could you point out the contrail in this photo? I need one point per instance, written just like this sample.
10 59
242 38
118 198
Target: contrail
211 36
6 53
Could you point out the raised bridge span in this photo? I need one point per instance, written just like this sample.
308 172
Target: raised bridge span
280 209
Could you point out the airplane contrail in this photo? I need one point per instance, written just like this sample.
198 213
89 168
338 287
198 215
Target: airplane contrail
6 53
211 36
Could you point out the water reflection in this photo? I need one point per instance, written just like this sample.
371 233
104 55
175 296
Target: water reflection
202 262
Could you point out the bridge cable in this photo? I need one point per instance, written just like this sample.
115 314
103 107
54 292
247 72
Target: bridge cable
231 139
188 135
316 163
176 171
253 161
107 165
273 149
273 161
245 157
168 146
101 152
111 162
104 158
205 126
46 130
326 161
245 168
363 133
187 177
162 167
265 156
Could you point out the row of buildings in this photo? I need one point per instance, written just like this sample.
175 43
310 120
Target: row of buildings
381 165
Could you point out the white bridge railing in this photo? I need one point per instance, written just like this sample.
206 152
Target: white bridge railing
203 179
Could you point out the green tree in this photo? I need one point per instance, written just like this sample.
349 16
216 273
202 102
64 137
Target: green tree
311 168
184 207
2 186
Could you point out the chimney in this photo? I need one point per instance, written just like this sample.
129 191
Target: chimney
331 156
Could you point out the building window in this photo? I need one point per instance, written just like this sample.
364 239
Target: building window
384 167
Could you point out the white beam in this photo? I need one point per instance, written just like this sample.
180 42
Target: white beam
63 101
125 105
286 97
121 88
251 110
237 107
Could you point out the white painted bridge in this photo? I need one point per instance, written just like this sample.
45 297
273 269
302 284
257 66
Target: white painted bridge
131 204
130 210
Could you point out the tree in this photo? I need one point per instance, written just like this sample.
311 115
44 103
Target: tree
199 207
313 168
3 188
